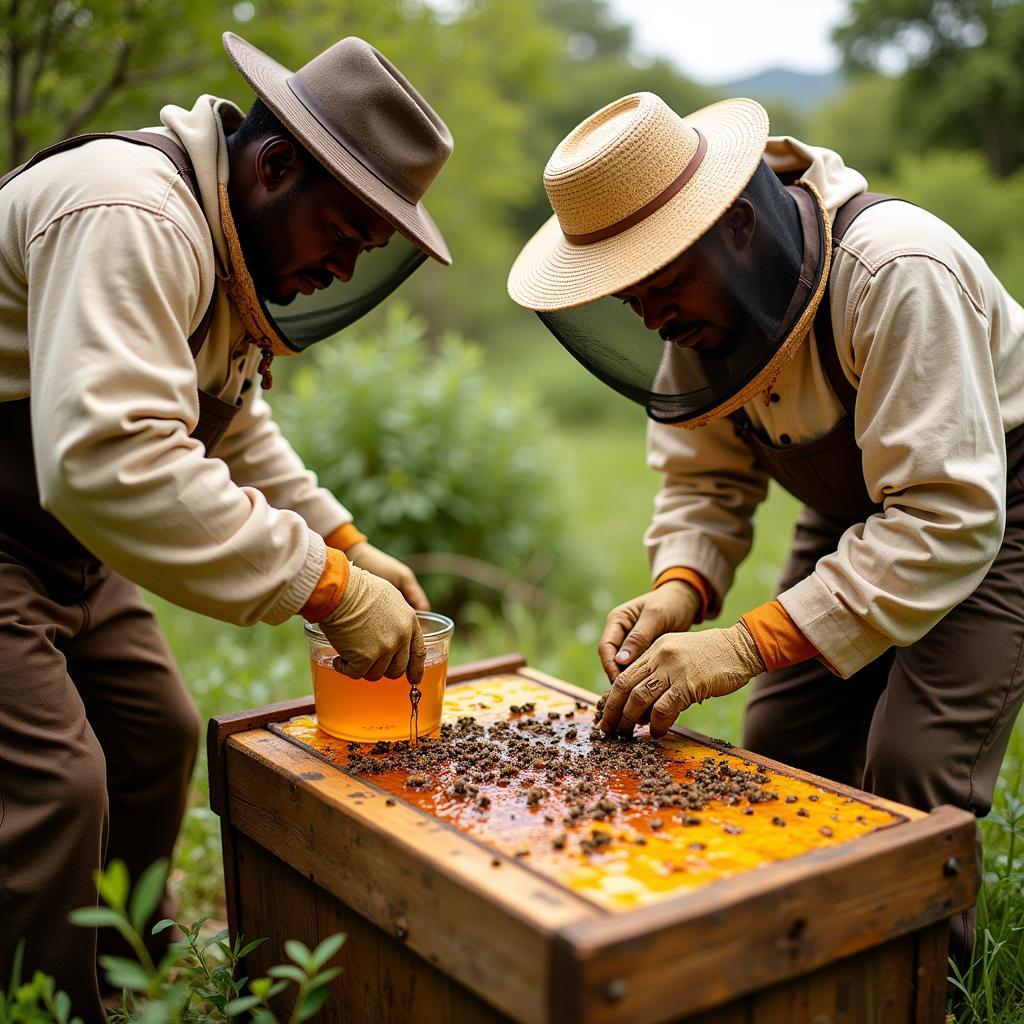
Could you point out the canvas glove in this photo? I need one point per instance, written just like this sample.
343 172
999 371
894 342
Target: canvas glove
397 573
375 631
632 627
678 670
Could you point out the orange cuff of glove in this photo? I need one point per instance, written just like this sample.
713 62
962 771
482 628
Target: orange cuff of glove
344 537
704 590
329 591
778 638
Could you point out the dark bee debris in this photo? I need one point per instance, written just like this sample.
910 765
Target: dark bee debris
531 754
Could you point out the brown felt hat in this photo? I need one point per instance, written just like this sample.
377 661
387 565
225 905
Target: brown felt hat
359 116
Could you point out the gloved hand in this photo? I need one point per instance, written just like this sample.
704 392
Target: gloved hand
375 631
678 670
397 573
632 627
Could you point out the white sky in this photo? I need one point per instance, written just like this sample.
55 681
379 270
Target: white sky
716 41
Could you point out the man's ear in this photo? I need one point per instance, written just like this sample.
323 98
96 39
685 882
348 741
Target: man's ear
277 163
739 222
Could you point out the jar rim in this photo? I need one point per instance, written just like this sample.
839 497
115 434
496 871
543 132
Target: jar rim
434 625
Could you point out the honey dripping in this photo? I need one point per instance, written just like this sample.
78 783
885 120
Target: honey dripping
414 716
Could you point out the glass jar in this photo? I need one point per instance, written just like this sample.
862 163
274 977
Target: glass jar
365 711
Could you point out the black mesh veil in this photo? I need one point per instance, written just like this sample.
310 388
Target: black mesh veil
722 316
378 272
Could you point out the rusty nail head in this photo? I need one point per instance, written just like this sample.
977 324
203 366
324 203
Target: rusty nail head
951 868
615 990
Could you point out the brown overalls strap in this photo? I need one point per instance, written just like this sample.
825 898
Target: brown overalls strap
175 153
826 474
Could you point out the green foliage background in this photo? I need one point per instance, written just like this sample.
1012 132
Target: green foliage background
502 448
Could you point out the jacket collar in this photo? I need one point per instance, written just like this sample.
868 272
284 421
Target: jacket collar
823 168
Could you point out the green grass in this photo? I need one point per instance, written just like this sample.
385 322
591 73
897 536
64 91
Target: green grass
230 669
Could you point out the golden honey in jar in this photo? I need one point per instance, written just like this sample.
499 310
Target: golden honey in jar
366 711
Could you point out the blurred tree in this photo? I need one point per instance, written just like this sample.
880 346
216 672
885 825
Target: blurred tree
595 65
963 84
92 65
63 61
861 124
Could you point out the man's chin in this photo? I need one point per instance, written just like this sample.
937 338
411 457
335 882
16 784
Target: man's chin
721 344
276 294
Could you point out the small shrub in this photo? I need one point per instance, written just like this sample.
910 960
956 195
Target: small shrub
430 455
196 981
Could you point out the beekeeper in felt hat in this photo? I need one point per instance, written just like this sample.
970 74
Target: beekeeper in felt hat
147 280
749 291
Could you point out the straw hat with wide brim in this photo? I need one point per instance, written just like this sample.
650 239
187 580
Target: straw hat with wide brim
631 188
361 119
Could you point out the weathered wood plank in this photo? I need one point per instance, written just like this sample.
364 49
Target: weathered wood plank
756 930
277 905
931 968
220 727
737 1012
384 982
489 927
871 986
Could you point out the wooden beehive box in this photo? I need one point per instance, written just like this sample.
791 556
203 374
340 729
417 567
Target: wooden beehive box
457 913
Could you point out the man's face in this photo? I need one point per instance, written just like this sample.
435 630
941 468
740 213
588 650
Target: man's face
302 234
685 303
689 301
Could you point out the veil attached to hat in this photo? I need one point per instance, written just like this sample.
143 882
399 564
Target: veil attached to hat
693 371
308 319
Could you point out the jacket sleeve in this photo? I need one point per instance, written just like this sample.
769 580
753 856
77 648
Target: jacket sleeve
113 290
929 425
703 513
258 455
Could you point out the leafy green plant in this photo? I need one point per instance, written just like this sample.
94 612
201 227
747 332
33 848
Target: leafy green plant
990 989
197 980
35 1001
429 454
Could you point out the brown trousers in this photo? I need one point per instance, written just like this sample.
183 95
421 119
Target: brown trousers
97 741
926 724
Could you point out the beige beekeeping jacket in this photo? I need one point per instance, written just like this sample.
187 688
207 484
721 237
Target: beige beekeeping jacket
106 266
935 346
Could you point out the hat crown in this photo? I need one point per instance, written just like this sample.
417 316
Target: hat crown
366 103
616 162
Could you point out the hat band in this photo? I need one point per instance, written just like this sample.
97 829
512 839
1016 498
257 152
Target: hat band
648 208
372 163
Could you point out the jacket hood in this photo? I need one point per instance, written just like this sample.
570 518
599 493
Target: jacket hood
823 168
203 131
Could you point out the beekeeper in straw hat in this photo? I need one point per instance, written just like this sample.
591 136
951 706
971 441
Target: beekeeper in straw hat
146 283
778 322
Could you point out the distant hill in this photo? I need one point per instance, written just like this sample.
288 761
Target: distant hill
802 90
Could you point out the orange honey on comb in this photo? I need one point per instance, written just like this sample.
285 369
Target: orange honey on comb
640 854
